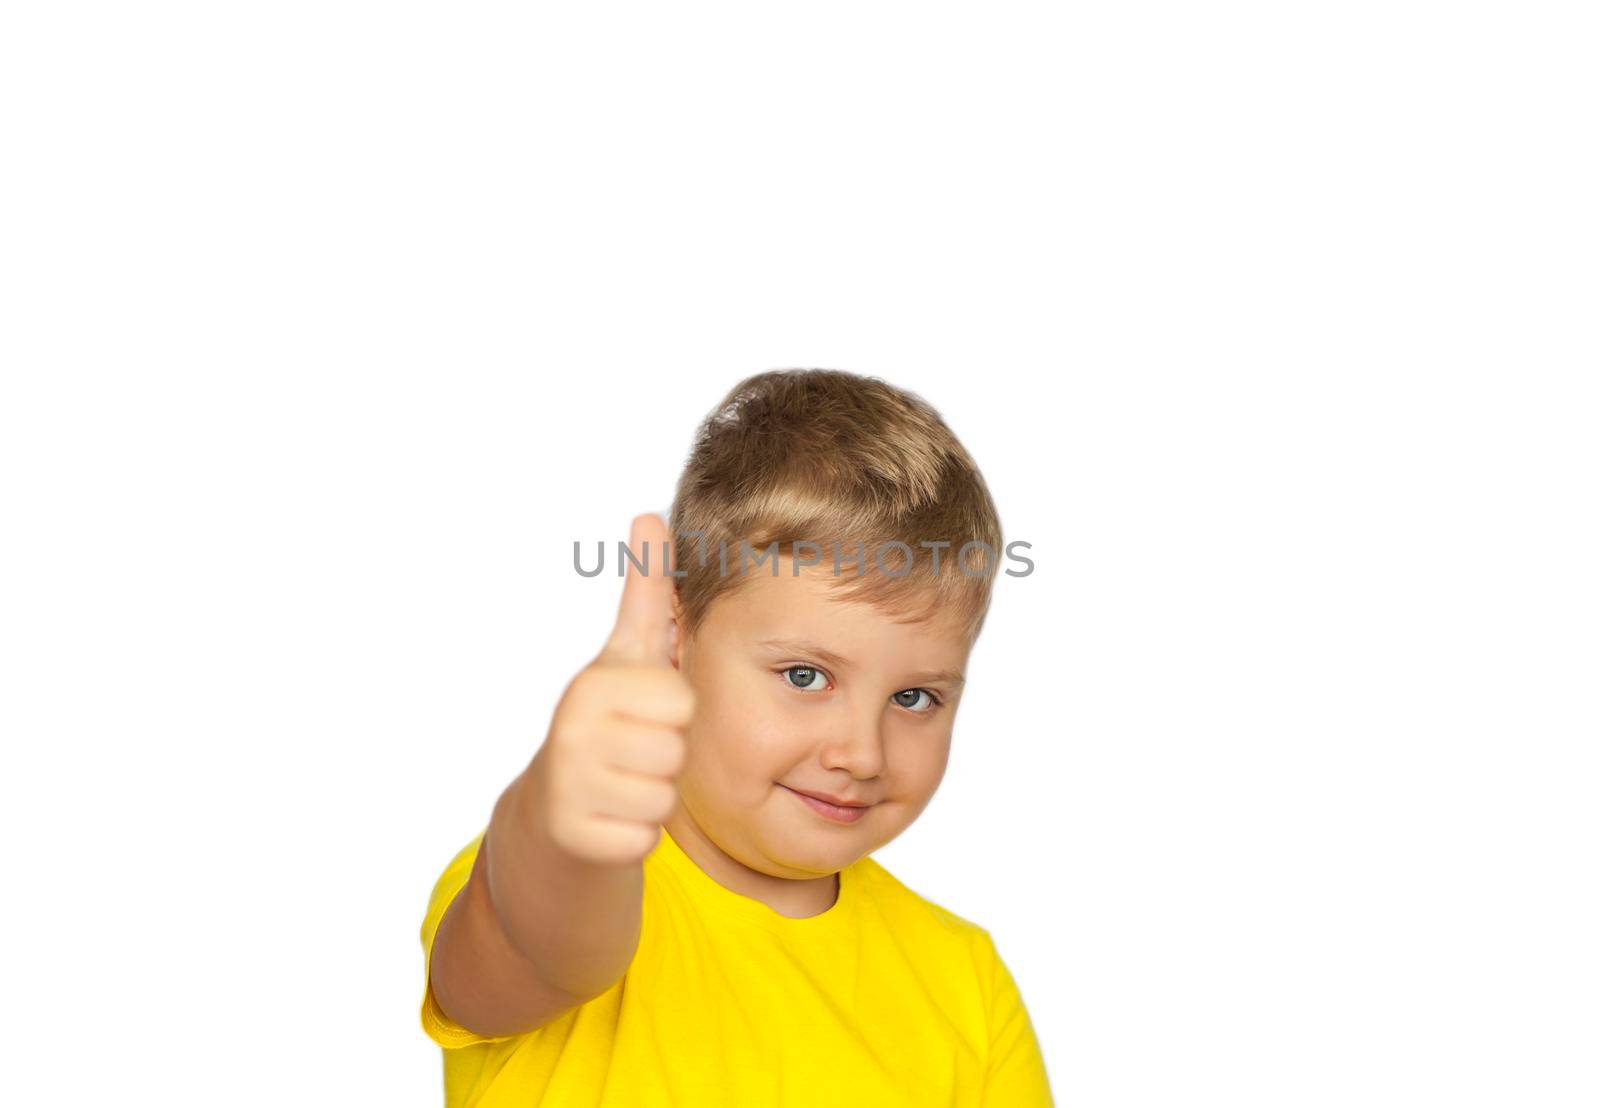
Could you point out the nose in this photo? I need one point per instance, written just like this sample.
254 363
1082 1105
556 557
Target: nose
858 746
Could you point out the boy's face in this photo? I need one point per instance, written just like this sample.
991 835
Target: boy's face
797 689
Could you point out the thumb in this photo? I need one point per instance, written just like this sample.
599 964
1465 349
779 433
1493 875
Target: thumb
643 631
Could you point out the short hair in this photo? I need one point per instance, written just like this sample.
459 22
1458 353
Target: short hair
847 462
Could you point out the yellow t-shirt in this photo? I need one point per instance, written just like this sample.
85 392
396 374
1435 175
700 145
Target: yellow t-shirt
885 999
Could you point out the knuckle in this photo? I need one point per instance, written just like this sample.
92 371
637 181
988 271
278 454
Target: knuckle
644 842
568 736
589 686
563 832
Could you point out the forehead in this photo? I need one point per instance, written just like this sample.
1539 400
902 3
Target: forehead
808 606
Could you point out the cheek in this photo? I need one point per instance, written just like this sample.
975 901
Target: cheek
921 763
733 744
738 715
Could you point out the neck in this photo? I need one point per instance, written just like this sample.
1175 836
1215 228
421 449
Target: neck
795 897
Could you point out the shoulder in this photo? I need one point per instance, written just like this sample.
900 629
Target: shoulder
951 954
905 908
955 948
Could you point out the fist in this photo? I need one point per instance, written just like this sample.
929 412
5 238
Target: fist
617 736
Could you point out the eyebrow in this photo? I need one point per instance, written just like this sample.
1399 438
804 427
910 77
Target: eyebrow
802 646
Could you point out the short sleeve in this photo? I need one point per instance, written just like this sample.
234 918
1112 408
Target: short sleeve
1015 1077
438 1026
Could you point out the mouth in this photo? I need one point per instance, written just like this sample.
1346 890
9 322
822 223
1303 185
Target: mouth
828 809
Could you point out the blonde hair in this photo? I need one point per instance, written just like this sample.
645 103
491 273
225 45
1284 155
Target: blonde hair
847 462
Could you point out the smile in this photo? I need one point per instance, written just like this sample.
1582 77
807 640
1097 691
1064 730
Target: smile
835 812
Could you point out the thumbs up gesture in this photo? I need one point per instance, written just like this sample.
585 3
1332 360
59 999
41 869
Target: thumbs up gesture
616 740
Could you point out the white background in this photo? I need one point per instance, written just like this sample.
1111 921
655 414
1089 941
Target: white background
327 328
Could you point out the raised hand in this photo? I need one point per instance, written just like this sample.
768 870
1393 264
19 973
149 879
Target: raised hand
617 736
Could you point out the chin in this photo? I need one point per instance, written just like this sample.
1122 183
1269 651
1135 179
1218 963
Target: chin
820 850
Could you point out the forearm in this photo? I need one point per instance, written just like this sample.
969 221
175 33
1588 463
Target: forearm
577 921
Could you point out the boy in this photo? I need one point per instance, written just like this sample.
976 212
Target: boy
675 903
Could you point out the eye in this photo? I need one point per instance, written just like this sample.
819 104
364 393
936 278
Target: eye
810 676
813 679
933 699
